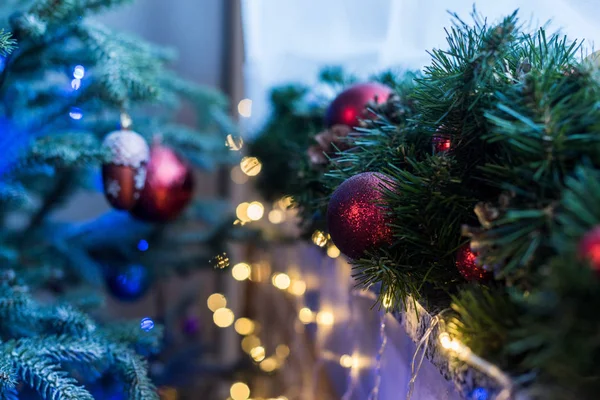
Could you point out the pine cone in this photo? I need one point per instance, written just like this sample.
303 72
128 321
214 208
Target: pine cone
328 142
394 109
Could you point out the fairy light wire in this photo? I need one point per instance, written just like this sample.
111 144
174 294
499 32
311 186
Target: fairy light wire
374 395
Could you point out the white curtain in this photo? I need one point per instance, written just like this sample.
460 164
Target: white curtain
291 40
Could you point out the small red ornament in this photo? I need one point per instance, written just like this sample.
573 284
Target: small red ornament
440 141
123 176
349 107
169 187
466 263
589 247
356 221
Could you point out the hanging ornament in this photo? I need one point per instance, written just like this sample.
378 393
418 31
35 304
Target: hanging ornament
466 263
350 106
328 142
128 283
168 189
356 221
589 247
124 174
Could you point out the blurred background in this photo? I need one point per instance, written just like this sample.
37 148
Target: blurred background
294 330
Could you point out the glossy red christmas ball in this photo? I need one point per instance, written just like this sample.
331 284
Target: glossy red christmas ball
355 218
350 106
124 174
169 187
466 263
589 248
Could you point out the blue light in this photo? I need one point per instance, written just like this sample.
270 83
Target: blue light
142 245
78 72
76 113
146 324
2 63
76 84
479 394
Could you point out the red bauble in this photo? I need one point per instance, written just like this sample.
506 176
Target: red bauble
466 263
589 247
356 221
440 141
349 107
169 187
123 176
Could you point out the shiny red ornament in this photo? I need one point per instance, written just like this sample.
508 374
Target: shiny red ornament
589 248
124 174
350 106
169 186
356 221
441 143
466 263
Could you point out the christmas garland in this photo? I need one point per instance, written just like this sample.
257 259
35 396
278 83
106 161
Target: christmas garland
472 187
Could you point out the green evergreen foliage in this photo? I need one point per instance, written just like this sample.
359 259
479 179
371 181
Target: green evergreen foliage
48 156
520 181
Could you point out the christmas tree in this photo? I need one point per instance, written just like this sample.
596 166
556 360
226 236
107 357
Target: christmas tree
470 187
73 92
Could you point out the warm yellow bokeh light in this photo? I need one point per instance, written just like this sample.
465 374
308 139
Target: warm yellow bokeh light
241 271
319 238
241 212
305 315
276 216
216 301
237 176
250 342
239 391
333 251
269 364
255 211
234 143
223 317
245 108
244 326
325 318
297 288
258 353
251 166
281 281
282 351
346 361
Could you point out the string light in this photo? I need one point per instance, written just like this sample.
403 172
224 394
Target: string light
223 317
250 166
146 324
76 113
244 326
250 342
239 391
276 216
78 72
241 211
281 281
297 288
305 315
282 351
241 271
216 301
386 301
333 251
257 353
269 364
319 238
245 108
255 211
325 318
346 361
234 143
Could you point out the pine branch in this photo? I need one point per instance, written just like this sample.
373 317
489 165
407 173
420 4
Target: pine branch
42 373
133 368
7 43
